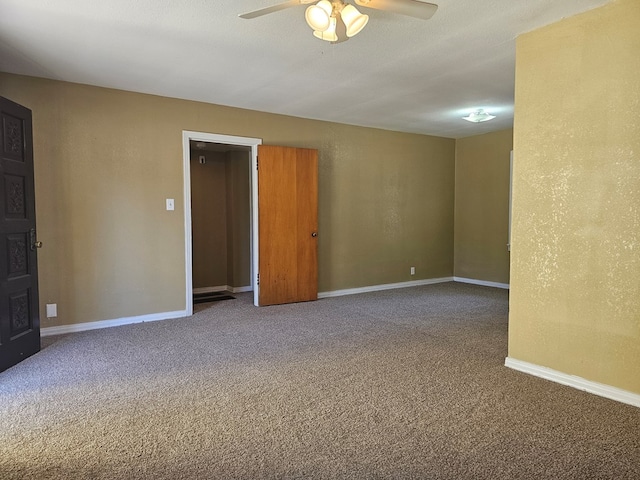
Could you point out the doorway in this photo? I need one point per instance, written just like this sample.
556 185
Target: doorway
238 146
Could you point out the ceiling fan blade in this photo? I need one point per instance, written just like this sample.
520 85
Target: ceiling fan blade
273 8
412 8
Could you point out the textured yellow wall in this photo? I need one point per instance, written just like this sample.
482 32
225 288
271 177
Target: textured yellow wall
482 206
575 271
105 160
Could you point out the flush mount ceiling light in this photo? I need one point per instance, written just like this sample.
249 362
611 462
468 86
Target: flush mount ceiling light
479 116
337 21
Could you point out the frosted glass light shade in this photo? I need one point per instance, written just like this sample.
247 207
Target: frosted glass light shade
329 34
318 16
353 19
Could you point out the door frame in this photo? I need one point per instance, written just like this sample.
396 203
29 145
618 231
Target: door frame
187 136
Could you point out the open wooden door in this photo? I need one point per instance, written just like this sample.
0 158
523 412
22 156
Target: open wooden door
19 315
288 224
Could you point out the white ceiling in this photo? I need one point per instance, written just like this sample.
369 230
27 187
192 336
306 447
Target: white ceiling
399 73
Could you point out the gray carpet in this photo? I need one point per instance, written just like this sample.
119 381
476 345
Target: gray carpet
407 383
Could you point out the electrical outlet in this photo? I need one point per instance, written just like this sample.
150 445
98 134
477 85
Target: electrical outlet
52 310
413 270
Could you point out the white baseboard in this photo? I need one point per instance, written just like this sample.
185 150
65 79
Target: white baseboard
386 286
223 288
481 282
248 288
152 317
219 288
81 327
596 388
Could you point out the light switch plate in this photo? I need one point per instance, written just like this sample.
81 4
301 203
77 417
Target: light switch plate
170 204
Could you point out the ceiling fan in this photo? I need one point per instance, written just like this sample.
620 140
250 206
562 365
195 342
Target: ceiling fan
336 20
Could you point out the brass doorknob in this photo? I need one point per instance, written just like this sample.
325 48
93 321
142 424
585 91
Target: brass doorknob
314 234
34 244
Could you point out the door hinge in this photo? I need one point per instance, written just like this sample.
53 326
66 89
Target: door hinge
257 162
258 279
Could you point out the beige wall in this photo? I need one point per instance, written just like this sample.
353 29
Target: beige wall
238 181
575 271
209 219
482 207
105 161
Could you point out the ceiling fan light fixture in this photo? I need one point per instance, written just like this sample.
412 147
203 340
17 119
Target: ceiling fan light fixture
318 16
478 116
353 19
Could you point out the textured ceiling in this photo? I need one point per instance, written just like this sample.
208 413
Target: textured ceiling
399 73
